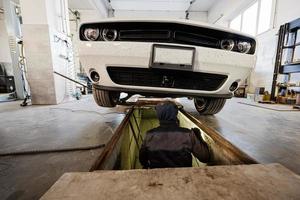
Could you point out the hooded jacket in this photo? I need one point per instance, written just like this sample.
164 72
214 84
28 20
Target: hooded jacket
170 145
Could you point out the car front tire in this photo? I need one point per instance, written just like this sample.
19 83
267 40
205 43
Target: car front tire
209 106
105 98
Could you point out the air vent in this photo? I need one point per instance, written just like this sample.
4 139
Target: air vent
166 78
144 34
196 39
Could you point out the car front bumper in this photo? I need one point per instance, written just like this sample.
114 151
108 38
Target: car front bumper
100 55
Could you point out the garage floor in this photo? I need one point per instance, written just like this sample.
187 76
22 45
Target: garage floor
267 136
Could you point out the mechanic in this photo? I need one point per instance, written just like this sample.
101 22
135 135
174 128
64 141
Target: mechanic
170 145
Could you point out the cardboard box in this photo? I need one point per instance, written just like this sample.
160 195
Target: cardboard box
281 99
298 99
267 97
291 101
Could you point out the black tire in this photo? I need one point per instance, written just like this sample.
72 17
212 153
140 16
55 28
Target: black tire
209 106
105 98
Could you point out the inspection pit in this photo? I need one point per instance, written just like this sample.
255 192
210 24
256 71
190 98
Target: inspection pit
122 151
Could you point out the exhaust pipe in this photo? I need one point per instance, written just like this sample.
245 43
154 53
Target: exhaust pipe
95 77
234 86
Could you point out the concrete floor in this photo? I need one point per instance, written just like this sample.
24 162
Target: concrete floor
267 136
74 124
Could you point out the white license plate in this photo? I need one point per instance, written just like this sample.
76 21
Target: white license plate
172 56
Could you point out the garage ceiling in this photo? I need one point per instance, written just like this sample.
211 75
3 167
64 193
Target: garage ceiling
80 5
148 5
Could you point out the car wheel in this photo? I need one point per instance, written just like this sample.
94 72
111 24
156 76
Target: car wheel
209 106
106 98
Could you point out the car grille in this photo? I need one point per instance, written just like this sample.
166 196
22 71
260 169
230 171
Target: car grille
195 39
178 37
166 78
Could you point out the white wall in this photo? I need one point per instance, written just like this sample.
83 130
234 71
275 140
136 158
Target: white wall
197 16
4 48
262 74
5 56
89 16
38 7
286 11
58 31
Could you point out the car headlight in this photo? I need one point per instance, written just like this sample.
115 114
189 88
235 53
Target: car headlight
244 47
91 34
227 44
109 34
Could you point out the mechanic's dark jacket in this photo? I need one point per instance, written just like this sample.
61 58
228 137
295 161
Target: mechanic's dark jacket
170 145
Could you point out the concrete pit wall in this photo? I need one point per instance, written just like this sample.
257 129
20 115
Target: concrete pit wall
122 153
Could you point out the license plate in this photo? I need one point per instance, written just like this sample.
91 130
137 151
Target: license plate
172 57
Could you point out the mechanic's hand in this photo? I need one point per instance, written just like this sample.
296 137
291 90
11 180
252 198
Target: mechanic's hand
197 133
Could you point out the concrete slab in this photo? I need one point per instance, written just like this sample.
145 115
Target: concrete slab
271 181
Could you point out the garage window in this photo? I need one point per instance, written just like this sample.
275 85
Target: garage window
250 19
255 19
265 14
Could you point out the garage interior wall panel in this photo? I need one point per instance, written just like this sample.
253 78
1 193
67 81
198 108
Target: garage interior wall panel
63 63
39 63
4 49
262 74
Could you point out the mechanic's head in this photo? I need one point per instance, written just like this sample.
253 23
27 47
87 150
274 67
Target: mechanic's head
167 111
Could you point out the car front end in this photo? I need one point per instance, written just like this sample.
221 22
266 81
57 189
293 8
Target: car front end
176 58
